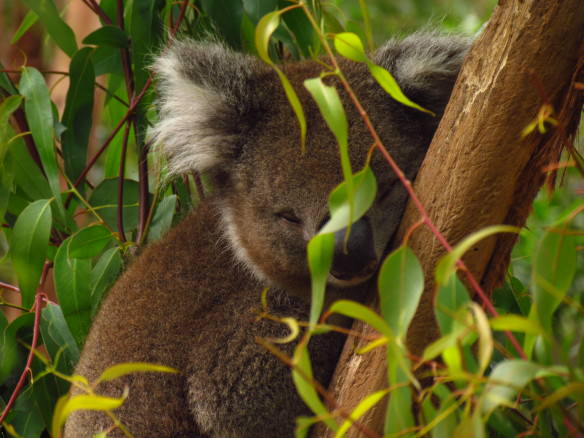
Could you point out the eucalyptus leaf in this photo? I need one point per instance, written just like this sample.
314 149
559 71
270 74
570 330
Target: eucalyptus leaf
28 247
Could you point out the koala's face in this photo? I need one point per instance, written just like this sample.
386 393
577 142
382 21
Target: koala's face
226 114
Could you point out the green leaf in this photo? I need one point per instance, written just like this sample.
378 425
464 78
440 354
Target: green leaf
320 259
58 339
7 108
28 247
358 311
447 265
89 242
330 106
516 323
361 409
400 284
390 85
506 379
145 31
67 405
27 175
485 349
39 115
303 35
29 19
450 298
111 36
162 220
264 30
78 113
554 266
122 369
256 9
105 199
350 46
300 373
57 29
9 351
365 190
398 415
228 23
104 274
71 278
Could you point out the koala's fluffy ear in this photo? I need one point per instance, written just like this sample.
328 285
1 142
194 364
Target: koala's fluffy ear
206 102
425 66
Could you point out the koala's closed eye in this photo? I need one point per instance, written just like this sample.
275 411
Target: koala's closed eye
288 216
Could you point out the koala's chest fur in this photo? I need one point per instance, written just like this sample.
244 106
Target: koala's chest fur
187 304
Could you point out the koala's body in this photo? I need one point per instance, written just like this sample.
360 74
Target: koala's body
188 301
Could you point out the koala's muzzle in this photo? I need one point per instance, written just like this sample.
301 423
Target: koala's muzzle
356 261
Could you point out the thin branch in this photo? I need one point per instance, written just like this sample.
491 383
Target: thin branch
408 185
40 297
121 181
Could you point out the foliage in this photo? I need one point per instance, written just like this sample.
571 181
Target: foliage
59 218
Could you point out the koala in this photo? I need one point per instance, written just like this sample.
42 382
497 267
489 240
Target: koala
190 301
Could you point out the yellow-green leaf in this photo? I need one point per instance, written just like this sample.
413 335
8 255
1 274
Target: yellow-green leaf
122 369
516 323
350 46
320 258
362 408
447 264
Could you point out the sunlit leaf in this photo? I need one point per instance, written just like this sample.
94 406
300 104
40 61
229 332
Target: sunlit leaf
350 46
485 350
447 265
302 376
264 30
450 297
361 409
119 370
320 259
516 323
67 405
400 284
29 20
358 311
365 190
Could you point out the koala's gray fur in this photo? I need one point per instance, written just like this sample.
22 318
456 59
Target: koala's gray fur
188 302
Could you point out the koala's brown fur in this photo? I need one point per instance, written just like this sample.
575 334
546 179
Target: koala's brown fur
188 301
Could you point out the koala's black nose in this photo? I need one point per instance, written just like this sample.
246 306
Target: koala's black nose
359 261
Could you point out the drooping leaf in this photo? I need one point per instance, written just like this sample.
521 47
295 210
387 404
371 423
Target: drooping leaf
58 339
264 30
78 113
330 106
302 376
57 29
67 405
104 274
400 284
365 190
320 259
28 247
554 266
451 296
39 115
447 264
73 290
162 220
29 20
361 409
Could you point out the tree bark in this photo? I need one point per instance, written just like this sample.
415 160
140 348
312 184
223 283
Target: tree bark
478 170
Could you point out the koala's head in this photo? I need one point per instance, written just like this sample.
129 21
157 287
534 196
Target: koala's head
225 114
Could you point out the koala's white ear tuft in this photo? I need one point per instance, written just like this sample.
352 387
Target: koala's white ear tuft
205 96
425 65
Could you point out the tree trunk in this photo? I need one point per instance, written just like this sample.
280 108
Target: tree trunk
479 171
